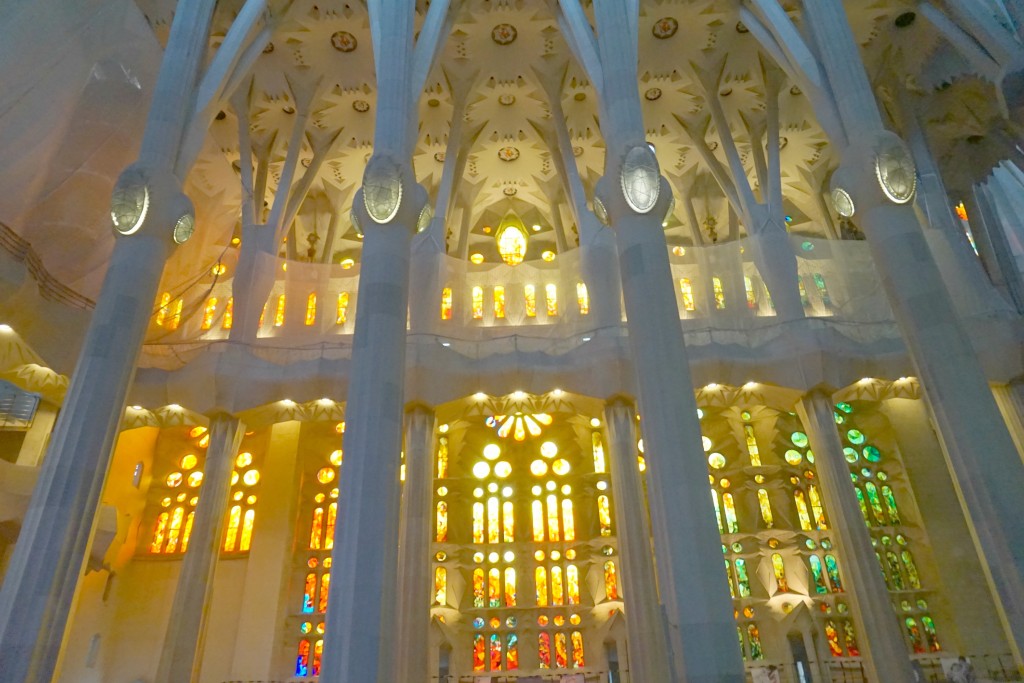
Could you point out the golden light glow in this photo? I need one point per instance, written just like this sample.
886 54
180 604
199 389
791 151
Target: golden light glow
188 462
342 315
538 468
481 470
279 311
476 258
243 460
512 240
311 309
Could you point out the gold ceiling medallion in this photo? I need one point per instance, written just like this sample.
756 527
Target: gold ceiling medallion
504 34
665 27
343 41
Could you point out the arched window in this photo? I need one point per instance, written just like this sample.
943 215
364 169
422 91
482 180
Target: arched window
875 502
718 513
801 510
499 311
538 521
446 306
611 581
686 290
479 653
229 314
209 313
754 637
577 650
832 635
818 573
716 285
510 587
163 309
732 525
779 568
478 303
440 586
342 313
311 309
748 286
832 568
742 579
908 563
508 520
598 450
572 581
604 515
557 587
890 505
541 580
544 649
442 522
530 294
479 599
478 522
752 450
442 457
493 527
551 299
494 587
728 576
766 508
582 298
568 523
816 507
279 312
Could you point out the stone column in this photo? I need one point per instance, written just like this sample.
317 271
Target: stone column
885 655
647 644
43 576
977 445
182 654
635 198
414 536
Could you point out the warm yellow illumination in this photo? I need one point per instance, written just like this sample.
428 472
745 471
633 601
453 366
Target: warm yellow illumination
583 298
342 315
530 292
538 468
548 449
446 303
481 470
686 289
499 301
229 314
476 258
347 263
512 240
560 467
502 469
548 255
551 299
279 312
188 462
492 451
209 313
243 460
478 303
311 309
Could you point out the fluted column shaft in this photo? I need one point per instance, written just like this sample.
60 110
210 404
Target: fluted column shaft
182 654
885 658
647 643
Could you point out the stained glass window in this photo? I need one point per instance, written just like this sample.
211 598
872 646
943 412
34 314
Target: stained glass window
852 648
832 635
818 573
510 587
311 309
731 524
816 507
478 303
875 502
754 637
561 652
446 303
686 289
748 286
604 515
718 513
530 293
557 586
716 284
478 587
512 652
911 567
597 447
279 311
163 308
611 581
442 457
499 301
766 508
551 299
819 282
442 522
544 649
742 580
342 312
752 449
801 510
729 578
890 505
914 634
832 567
229 314
930 634
577 650
779 568
540 578
582 298
209 313
479 653
440 586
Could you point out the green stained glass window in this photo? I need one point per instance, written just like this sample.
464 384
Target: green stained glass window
855 436
799 439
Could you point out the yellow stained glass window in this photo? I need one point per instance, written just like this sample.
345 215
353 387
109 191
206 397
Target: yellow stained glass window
510 587
611 581
478 303
442 457
492 520
538 521
718 513
247 523
752 450
332 520
597 446
508 520
731 523
311 309
568 522
494 587
442 522
316 530
801 510
499 301
686 289
577 650
557 587
553 534
748 285
478 588
540 576
163 308
572 583
234 522
478 522
561 653
325 588
446 303
209 312
279 312
229 314
583 298
716 284
342 314
158 534
512 240
530 292
779 568
766 508
816 507
551 299
187 532
440 586
604 515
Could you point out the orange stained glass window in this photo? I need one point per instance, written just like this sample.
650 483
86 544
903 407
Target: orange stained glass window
561 652
175 319
440 586
263 315
302 661
530 292
158 534
801 510
229 316
499 301
492 520
442 457
494 587
163 308
551 299
544 649
442 522
577 650
234 522
174 533
508 520
568 522
611 581
540 577
557 586
311 309
317 529
779 567
512 652
478 588
816 507
572 584
247 523
597 446
478 522
479 653
332 520
604 515
318 652
478 303
752 450
553 534
446 303
832 635
748 285
495 652
309 593
209 312
342 314
583 298
538 521
279 312
325 587
510 587
766 508
716 285
187 532
686 289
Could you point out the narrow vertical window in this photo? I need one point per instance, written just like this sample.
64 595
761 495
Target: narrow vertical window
572 584
557 587
231 535
508 522
754 636
478 522
158 534
279 312
493 529
551 299
540 578
478 588
686 289
325 587
499 301
731 524
597 446
544 649
803 293
538 521
779 568
819 282
890 505
512 652
446 306
553 534
342 313
302 659
582 298
718 513
163 308
604 515
309 593
832 635
748 286
175 319
209 312
442 457
442 522
816 507
875 502
332 519
742 579
495 652
228 320
479 653
311 309
494 587
530 293
852 648
716 284
568 522
832 567
561 651
818 573
440 586
318 653
911 567
914 633
187 531
247 523
752 450
766 508
577 650
510 587
728 577
478 303
316 530
801 510
863 504
930 633
611 581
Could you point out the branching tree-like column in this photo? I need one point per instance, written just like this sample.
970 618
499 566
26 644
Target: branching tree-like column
151 214
633 198
388 207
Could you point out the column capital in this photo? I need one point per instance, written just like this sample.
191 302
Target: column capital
418 407
616 401
821 390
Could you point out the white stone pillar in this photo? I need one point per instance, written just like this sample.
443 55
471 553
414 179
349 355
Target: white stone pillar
978 448
182 653
414 566
647 642
885 655
43 576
